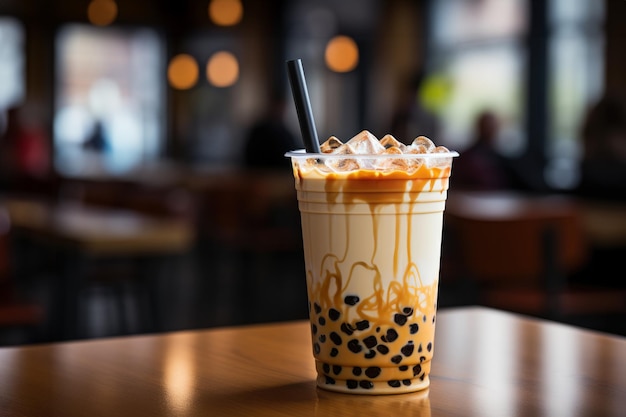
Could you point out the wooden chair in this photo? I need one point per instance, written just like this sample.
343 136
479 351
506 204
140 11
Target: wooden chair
519 252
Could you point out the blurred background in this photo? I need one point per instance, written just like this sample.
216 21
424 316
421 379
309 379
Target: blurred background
142 182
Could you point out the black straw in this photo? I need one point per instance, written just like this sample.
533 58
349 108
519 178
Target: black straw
303 106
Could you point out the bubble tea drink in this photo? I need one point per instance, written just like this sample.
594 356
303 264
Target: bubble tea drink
372 217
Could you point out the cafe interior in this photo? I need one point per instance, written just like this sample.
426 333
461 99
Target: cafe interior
144 187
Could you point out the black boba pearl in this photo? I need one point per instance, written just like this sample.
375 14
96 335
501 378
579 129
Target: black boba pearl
391 335
351 300
362 325
382 349
316 348
407 350
330 381
429 346
322 338
334 314
356 371
347 329
326 368
433 319
394 383
417 369
396 359
317 308
313 328
370 341
422 359
419 349
354 346
335 338
370 354
403 368
336 369
414 328
424 318
406 382
366 384
321 321
352 383
372 372
334 352
400 319
407 311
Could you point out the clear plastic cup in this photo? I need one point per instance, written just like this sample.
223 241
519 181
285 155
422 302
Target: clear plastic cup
371 228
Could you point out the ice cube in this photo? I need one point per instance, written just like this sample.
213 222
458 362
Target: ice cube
421 144
365 143
392 164
440 149
331 144
343 164
389 141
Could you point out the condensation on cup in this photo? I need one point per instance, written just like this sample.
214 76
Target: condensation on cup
372 219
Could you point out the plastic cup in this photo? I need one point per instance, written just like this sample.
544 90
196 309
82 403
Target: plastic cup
372 247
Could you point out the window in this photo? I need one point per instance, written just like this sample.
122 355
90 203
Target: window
109 103
11 62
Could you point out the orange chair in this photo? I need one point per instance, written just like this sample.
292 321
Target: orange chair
519 252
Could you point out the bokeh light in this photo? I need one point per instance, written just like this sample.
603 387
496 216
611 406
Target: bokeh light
222 69
342 54
225 12
102 12
182 72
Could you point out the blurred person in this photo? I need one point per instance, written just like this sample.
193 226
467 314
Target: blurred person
481 166
603 167
410 118
269 138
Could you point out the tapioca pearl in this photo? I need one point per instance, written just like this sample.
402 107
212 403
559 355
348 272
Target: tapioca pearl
417 369
382 349
407 350
317 308
354 346
399 319
347 329
356 371
429 346
394 383
396 359
407 311
336 369
378 329
334 314
404 368
391 335
322 338
352 383
336 338
321 320
334 352
406 382
366 384
370 354
372 372
422 377
329 380
362 325
326 368
316 348
370 341
351 299
414 328
424 318
433 319
419 348
422 359
314 328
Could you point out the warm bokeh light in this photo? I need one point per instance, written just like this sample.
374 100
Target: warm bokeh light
102 12
225 12
342 54
182 72
222 69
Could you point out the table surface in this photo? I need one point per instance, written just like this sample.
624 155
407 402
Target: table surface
486 363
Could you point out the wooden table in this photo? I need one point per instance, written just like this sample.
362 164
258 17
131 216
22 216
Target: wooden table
78 234
487 363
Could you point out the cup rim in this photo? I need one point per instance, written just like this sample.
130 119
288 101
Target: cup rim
302 154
